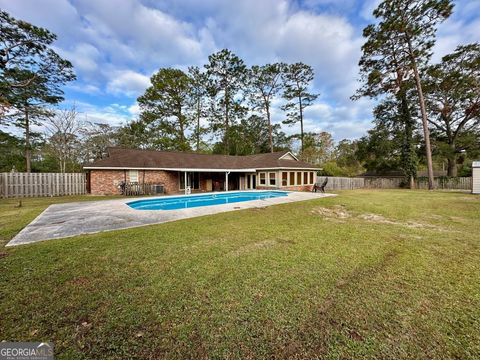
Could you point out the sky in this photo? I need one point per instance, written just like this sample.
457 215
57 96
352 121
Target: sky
116 45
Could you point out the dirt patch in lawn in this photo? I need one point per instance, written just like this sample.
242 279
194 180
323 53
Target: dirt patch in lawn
410 224
340 213
471 198
335 212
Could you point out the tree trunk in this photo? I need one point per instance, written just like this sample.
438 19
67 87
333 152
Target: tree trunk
452 166
183 143
226 123
426 131
301 120
27 142
198 125
409 158
269 128
412 182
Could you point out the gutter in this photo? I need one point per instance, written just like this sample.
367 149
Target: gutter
198 169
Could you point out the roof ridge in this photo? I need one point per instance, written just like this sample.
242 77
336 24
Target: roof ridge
193 152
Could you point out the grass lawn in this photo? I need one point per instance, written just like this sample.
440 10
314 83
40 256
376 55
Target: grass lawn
368 274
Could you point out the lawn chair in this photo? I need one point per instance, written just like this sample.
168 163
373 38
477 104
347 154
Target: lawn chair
321 187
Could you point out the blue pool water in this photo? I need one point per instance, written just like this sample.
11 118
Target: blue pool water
190 201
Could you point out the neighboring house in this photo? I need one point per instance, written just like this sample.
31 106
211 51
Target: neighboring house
202 172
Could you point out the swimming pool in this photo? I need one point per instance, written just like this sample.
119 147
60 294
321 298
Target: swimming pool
191 201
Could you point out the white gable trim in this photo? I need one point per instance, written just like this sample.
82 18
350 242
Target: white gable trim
288 153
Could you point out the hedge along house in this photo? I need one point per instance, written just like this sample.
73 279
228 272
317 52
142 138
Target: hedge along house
200 172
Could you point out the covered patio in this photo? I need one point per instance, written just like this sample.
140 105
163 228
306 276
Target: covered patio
216 180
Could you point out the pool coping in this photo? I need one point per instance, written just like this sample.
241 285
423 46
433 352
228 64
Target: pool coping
210 194
89 217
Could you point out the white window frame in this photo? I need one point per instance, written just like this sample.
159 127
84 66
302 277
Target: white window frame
134 178
275 179
260 178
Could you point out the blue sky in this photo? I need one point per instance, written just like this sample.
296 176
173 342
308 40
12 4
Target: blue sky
115 47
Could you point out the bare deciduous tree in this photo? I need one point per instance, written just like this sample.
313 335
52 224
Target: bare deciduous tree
62 132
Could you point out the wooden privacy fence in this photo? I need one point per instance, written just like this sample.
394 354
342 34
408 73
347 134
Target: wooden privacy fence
447 183
41 184
342 183
346 183
383 183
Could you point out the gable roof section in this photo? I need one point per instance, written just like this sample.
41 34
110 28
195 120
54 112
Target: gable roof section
168 160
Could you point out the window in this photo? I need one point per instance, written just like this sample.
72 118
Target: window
272 179
192 180
133 176
284 178
262 178
312 178
305 178
292 178
299 178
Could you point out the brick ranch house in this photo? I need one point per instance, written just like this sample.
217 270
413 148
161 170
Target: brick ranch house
202 172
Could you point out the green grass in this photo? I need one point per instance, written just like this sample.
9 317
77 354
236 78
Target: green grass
279 282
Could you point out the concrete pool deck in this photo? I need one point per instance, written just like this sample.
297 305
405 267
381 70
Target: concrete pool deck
88 217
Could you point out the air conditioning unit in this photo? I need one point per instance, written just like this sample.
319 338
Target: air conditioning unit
158 189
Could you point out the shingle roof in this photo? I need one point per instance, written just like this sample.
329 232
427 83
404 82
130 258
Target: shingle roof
151 159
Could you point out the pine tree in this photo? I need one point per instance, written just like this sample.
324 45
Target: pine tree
264 84
399 46
165 106
226 75
297 80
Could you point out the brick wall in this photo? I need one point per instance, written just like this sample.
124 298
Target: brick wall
298 188
105 182
169 179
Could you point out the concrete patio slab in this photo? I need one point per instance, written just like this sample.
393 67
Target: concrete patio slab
72 219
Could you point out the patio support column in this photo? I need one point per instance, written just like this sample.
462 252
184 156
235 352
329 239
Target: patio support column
226 180
185 186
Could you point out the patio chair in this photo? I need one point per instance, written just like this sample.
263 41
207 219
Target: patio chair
321 187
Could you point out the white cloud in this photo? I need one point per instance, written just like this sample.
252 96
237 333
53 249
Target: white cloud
134 109
113 114
83 56
127 82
